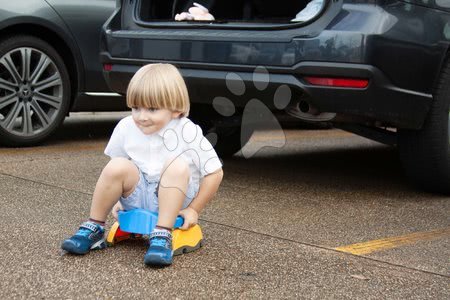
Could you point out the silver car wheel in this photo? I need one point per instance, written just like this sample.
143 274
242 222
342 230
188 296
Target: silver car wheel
31 91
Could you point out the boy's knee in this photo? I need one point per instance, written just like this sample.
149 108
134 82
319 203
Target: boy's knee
117 167
176 167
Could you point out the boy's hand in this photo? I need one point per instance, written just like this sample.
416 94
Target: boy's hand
115 210
190 216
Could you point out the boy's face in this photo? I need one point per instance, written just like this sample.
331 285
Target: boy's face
151 120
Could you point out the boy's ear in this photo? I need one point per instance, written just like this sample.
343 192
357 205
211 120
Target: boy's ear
176 114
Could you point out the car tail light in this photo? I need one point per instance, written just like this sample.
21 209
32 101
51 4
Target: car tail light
338 82
107 67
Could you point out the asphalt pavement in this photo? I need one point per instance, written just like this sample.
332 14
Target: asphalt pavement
313 214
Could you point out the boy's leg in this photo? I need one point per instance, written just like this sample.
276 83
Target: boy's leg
171 194
172 191
119 177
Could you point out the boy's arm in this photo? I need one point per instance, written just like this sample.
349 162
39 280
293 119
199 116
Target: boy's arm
208 188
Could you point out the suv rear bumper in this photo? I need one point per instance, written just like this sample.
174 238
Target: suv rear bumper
379 101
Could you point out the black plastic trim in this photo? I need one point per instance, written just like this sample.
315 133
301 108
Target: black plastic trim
380 101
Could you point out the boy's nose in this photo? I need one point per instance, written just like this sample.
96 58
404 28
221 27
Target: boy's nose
143 116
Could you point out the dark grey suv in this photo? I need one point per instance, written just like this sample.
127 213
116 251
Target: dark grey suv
377 68
49 65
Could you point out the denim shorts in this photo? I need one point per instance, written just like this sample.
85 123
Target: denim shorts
145 195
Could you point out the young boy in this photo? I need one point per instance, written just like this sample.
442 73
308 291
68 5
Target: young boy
160 161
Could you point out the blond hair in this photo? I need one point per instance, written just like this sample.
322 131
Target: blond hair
159 86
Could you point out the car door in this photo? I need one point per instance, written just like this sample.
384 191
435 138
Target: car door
85 19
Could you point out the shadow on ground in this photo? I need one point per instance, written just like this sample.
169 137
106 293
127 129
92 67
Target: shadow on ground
85 127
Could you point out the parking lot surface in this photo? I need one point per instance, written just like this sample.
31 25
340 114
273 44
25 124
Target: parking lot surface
314 214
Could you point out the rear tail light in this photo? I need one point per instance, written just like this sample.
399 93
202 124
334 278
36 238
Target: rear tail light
338 82
107 67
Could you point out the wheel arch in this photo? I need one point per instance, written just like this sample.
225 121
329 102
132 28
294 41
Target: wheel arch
442 64
69 55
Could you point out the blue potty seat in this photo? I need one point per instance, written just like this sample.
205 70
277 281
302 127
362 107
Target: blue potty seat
141 221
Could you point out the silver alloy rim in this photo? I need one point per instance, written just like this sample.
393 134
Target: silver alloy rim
31 91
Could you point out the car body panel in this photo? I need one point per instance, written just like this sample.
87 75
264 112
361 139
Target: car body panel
351 38
36 12
362 44
86 33
63 18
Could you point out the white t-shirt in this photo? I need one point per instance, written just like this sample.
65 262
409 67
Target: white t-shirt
180 137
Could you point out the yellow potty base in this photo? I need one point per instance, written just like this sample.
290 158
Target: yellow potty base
183 241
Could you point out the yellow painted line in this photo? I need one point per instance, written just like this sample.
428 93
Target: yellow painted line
393 242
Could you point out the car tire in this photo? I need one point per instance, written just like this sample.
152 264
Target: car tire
34 90
425 153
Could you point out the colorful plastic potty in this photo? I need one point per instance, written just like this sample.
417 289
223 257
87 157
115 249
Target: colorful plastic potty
137 222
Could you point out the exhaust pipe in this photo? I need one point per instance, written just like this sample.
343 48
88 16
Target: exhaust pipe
305 111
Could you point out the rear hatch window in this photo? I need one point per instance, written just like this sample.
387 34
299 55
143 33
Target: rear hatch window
230 11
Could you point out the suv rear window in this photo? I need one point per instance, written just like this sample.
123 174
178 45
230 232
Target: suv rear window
225 11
